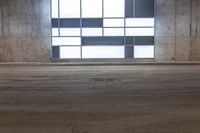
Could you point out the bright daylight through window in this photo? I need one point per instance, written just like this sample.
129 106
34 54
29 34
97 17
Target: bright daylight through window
90 29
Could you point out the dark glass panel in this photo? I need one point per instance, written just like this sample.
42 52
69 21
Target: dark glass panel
102 40
56 52
92 22
64 23
129 52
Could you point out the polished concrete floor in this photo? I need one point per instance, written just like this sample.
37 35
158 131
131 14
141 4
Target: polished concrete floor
100 99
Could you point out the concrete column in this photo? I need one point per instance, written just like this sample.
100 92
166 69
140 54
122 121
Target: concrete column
165 30
177 30
196 30
183 29
1 25
25 30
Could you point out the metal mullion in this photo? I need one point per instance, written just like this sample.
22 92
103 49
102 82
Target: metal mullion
65 36
68 45
134 11
51 30
113 27
155 18
141 27
124 29
114 17
81 26
134 15
103 17
58 17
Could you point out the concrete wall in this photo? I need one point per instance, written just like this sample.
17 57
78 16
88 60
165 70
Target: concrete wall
177 30
25 33
25 30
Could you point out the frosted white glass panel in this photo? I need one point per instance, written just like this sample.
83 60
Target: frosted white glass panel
114 8
113 31
54 7
57 41
113 22
70 52
103 51
55 32
143 51
140 22
91 31
69 8
139 31
92 8
70 31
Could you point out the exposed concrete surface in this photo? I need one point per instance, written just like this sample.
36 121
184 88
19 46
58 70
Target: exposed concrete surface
25 30
177 30
100 99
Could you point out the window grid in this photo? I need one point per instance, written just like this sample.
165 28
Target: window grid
103 28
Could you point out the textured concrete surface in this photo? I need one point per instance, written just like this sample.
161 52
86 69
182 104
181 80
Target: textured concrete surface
25 30
177 29
100 99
